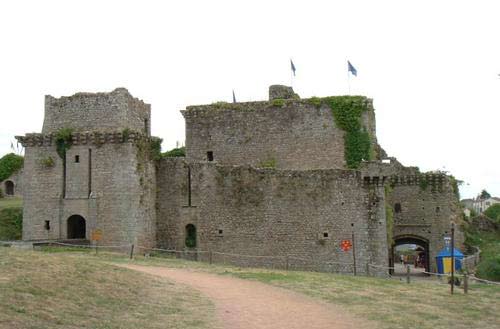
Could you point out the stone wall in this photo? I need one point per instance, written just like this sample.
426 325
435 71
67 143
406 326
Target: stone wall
114 111
423 204
17 180
112 186
243 210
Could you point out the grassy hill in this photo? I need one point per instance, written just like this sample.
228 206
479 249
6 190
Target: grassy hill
43 290
392 303
11 218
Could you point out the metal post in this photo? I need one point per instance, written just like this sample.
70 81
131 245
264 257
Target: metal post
367 269
353 254
452 257
96 247
210 257
407 273
131 251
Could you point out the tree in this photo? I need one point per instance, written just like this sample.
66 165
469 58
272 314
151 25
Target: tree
9 164
484 195
493 212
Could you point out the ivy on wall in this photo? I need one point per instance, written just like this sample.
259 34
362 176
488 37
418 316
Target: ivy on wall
347 112
63 141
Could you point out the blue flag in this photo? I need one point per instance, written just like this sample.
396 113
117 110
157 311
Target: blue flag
351 69
293 67
234 97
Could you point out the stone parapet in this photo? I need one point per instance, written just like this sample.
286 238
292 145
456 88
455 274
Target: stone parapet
84 138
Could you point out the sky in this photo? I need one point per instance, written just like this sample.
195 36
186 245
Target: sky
431 67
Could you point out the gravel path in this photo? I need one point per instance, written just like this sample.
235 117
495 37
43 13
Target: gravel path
248 304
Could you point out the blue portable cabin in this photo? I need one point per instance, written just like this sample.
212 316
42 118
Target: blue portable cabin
443 260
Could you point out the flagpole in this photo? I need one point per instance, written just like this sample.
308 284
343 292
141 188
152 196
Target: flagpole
348 82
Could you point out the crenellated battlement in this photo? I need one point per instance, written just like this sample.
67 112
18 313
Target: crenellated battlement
432 179
84 138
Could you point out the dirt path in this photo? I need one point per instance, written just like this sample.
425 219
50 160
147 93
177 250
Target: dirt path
248 304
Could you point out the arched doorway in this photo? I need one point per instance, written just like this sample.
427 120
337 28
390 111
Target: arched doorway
9 187
190 236
76 227
410 250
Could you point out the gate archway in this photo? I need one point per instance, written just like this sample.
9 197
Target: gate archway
76 227
418 254
9 187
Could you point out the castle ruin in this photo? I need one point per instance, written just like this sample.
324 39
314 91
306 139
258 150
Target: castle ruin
287 176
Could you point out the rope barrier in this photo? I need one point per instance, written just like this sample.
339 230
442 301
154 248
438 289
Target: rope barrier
381 266
87 245
483 280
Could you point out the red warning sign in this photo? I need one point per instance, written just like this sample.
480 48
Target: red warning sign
346 245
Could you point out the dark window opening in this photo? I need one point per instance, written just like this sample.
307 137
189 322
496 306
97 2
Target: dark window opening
438 209
47 225
77 159
190 236
366 180
397 208
376 180
76 227
220 231
210 156
9 187
325 234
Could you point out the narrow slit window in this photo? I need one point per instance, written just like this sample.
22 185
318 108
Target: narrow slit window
77 159
397 208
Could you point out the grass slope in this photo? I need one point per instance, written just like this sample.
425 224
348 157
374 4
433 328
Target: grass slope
71 290
11 202
11 218
393 304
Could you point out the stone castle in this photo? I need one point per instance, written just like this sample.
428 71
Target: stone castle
287 176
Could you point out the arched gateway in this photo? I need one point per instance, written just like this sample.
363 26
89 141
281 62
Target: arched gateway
9 187
421 251
76 227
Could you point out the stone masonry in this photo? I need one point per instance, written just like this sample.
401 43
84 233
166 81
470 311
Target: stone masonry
260 178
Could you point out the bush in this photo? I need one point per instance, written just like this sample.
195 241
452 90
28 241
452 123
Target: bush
489 269
9 164
176 152
493 212
11 223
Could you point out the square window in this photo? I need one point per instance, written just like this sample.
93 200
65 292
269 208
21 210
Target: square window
325 234
220 231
